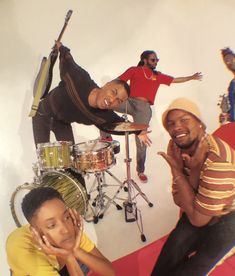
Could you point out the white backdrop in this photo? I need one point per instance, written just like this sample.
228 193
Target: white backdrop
105 37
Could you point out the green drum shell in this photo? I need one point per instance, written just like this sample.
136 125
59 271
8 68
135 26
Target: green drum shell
55 155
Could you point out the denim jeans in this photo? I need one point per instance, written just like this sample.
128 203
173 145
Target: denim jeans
207 244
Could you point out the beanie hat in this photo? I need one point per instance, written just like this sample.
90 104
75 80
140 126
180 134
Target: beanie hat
185 105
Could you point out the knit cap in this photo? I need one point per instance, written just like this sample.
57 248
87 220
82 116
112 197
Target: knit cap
185 105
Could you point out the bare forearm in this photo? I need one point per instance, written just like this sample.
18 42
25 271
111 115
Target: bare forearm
186 197
184 194
73 267
194 179
182 79
196 76
97 264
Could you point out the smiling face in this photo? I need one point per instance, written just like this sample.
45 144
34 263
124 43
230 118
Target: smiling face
184 129
53 220
110 96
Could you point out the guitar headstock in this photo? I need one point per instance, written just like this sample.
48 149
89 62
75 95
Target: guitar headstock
68 15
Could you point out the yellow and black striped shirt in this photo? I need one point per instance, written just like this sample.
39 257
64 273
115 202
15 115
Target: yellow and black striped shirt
216 192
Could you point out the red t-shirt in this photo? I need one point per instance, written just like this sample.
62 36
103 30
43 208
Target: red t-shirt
141 83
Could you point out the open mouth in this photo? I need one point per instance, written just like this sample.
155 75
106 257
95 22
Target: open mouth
180 136
106 103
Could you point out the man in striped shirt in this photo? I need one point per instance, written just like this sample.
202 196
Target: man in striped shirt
203 172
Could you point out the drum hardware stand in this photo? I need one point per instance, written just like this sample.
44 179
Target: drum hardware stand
99 201
132 213
37 176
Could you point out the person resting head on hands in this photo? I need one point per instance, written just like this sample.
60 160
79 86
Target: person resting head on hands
53 243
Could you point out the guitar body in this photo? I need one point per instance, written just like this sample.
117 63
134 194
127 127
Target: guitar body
225 107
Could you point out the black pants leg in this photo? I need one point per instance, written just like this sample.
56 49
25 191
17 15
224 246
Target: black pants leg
210 243
181 242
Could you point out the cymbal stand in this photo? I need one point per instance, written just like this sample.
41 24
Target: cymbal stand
132 213
100 207
37 174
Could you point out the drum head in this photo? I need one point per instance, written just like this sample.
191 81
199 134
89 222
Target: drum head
90 146
16 201
73 193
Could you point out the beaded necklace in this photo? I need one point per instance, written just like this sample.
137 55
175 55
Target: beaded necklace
152 77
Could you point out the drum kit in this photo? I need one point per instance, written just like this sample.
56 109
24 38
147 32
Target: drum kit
61 164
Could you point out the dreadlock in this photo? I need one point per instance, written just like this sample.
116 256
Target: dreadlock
145 55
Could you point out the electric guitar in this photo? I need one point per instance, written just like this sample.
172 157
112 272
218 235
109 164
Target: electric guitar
225 106
43 80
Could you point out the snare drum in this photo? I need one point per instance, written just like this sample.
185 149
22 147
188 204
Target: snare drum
72 191
93 156
54 156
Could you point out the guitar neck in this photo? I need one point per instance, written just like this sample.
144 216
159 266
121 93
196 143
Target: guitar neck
62 32
69 13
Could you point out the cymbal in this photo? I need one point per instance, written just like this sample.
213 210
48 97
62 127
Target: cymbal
121 128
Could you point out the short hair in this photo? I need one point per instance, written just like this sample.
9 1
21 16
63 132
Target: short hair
125 84
145 55
226 51
35 199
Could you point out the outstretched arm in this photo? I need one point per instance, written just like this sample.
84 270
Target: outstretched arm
196 76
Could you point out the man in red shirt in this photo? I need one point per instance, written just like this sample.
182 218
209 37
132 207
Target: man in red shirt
144 83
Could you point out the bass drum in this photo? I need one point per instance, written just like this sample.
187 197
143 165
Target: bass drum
73 193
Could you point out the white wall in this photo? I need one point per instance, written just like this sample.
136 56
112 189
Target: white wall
105 37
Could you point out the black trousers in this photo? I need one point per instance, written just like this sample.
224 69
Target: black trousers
209 244
45 121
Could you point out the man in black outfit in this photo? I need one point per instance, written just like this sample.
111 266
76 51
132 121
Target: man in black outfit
78 99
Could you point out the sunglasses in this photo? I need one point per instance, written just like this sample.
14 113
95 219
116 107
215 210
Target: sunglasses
154 59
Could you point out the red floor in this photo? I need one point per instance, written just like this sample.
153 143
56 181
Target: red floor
141 262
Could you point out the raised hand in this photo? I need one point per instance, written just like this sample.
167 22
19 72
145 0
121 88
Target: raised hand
196 161
79 227
57 45
173 157
197 76
144 138
47 247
